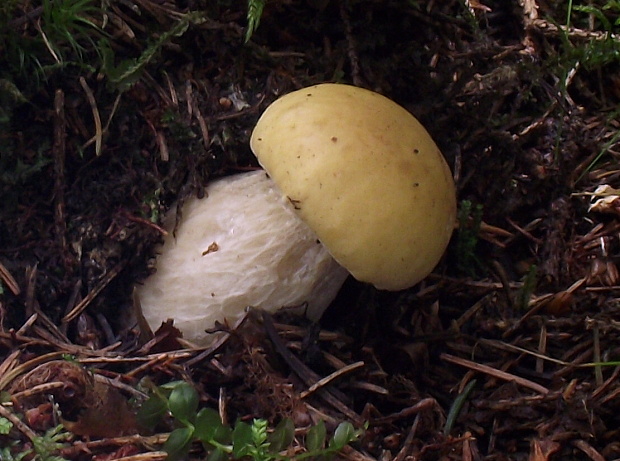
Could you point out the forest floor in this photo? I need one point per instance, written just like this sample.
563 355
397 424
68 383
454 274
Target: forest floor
508 351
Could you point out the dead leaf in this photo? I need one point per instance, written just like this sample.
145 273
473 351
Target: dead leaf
108 415
605 199
541 450
476 5
87 406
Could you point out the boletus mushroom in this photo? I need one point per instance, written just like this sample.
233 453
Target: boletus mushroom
352 180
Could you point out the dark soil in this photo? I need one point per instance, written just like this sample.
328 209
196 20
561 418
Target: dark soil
507 351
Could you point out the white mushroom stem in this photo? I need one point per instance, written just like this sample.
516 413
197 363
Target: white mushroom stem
243 245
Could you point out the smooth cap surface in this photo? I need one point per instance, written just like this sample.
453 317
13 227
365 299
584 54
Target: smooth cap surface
365 176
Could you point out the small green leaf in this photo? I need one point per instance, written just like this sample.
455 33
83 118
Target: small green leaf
183 402
218 455
344 434
282 436
178 443
208 427
259 432
171 385
5 426
315 439
152 411
255 11
242 439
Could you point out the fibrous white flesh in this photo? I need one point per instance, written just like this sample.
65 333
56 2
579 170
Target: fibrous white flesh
242 245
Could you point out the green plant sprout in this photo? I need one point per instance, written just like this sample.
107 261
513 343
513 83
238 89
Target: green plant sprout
44 448
128 71
255 12
457 406
67 22
222 442
5 424
469 218
608 15
529 285
600 51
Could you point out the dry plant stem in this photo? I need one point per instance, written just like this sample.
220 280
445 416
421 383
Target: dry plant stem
38 389
551 29
473 310
59 150
77 310
51 327
163 147
173 94
153 456
369 387
466 451
588 450
408 444
149 359
596 350
307 376
453 441
193 109
605 386
422 405
292 331
209 351
23 428
73 299
351 45
12 338
70 348
31 277
10 362
525 231
542 347
541 450
499 374
611 397
27 326
512 348
96 117
107 125
115 383
48 45
351 454
335 375
8 280
206 141
318 414
7 378
82 447
144 222
503 278
539 304
164 153
221 406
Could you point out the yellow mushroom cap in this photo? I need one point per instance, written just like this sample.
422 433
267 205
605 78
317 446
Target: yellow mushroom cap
366 177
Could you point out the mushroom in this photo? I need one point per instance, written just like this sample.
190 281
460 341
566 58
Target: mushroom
366 177
242 245
368 183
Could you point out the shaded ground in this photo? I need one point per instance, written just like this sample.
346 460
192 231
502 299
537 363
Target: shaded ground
505 352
